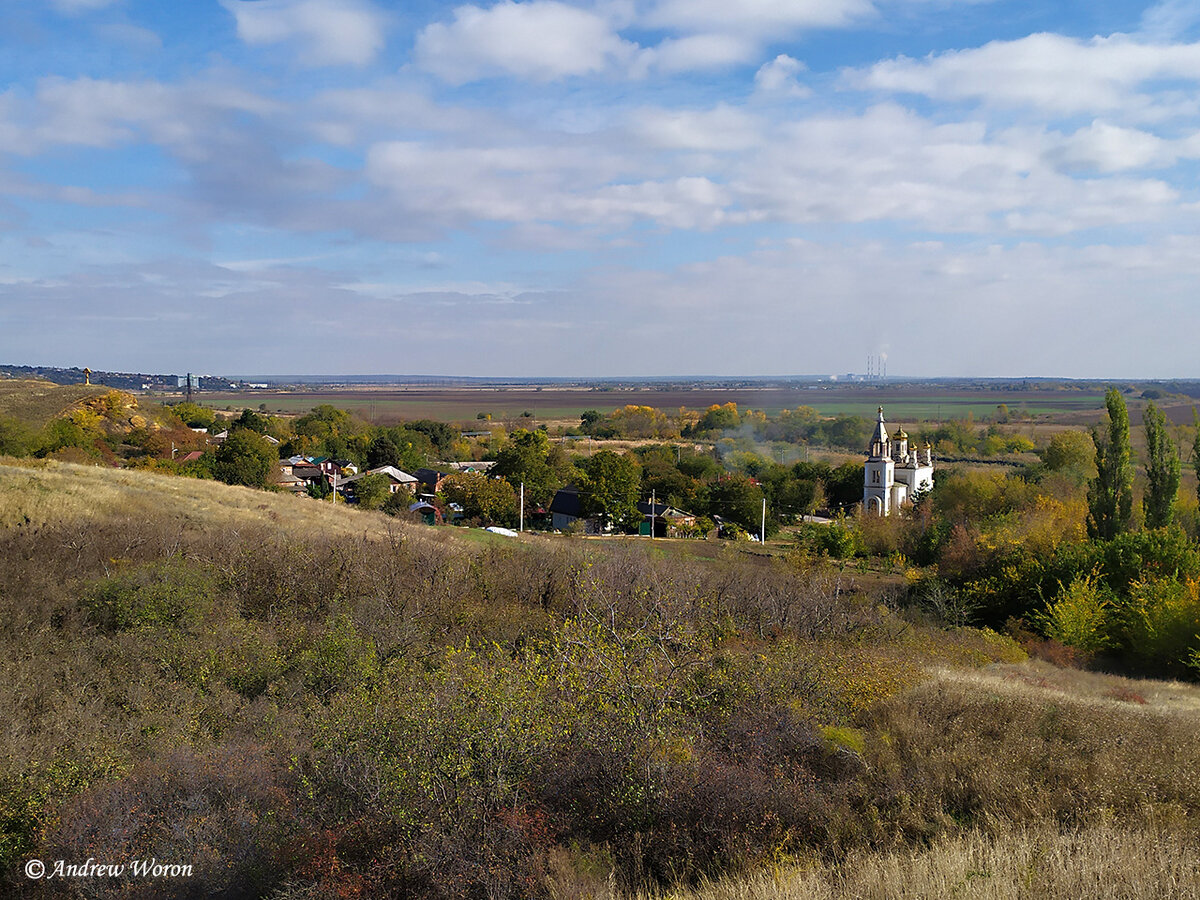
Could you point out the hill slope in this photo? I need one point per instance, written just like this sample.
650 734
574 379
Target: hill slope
36 403
45 492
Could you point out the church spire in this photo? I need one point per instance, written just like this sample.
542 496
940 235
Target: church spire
879 440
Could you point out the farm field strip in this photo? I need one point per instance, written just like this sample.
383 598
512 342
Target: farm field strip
467 404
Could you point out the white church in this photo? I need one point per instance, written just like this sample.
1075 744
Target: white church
894 474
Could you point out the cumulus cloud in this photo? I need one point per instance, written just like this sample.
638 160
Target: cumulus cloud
522 185
1110 148
105 113
696 52
889 164
779 77
542 40
329 32
1050 72
722 128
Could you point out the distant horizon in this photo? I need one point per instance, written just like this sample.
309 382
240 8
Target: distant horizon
848 378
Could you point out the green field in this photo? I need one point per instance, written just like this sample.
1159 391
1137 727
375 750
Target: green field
909 404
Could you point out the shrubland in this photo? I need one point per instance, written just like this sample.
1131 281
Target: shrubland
364 708
304 699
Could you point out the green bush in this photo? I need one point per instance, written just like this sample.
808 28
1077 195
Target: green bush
838 539
1162 624
1080 616
174 594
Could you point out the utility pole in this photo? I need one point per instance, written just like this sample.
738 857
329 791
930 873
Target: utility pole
762 538
333 474
521 527
653 511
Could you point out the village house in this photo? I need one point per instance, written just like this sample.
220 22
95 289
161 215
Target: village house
431 480
398 480
661 520
565 512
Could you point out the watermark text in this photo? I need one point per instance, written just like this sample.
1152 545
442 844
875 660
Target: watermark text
37 869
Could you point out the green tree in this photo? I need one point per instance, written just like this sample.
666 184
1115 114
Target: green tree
382 451
15 438
252 420
372 491
531 458
323 422
736 498
719 417
610 487
245 458
1162 469
193 415
1196 450
482 497
1110 494
1068 450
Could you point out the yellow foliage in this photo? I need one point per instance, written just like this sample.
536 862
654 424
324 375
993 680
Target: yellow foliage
87 419
1079 616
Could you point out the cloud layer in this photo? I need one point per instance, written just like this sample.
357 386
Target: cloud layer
743 184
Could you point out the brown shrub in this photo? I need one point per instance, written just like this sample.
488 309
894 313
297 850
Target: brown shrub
227 813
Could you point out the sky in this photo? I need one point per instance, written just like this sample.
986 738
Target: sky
601 188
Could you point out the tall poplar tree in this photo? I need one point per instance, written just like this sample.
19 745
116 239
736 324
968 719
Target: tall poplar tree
1196 450
1162 469
1110 493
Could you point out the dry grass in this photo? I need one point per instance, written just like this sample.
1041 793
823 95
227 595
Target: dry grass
1045 682
37 402
1105 861
36 493
1079 791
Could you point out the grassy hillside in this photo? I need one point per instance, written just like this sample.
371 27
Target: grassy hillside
46 492
35 403
1021 737
301 699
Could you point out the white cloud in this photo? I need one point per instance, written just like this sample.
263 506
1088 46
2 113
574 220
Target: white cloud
889 164
1047 71
344 117
779 77
1110 148
815 306
330 32
722 128
101 113
761 18
541 40
696 52
1169 19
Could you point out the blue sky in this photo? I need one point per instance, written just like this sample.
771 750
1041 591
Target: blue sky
620 187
